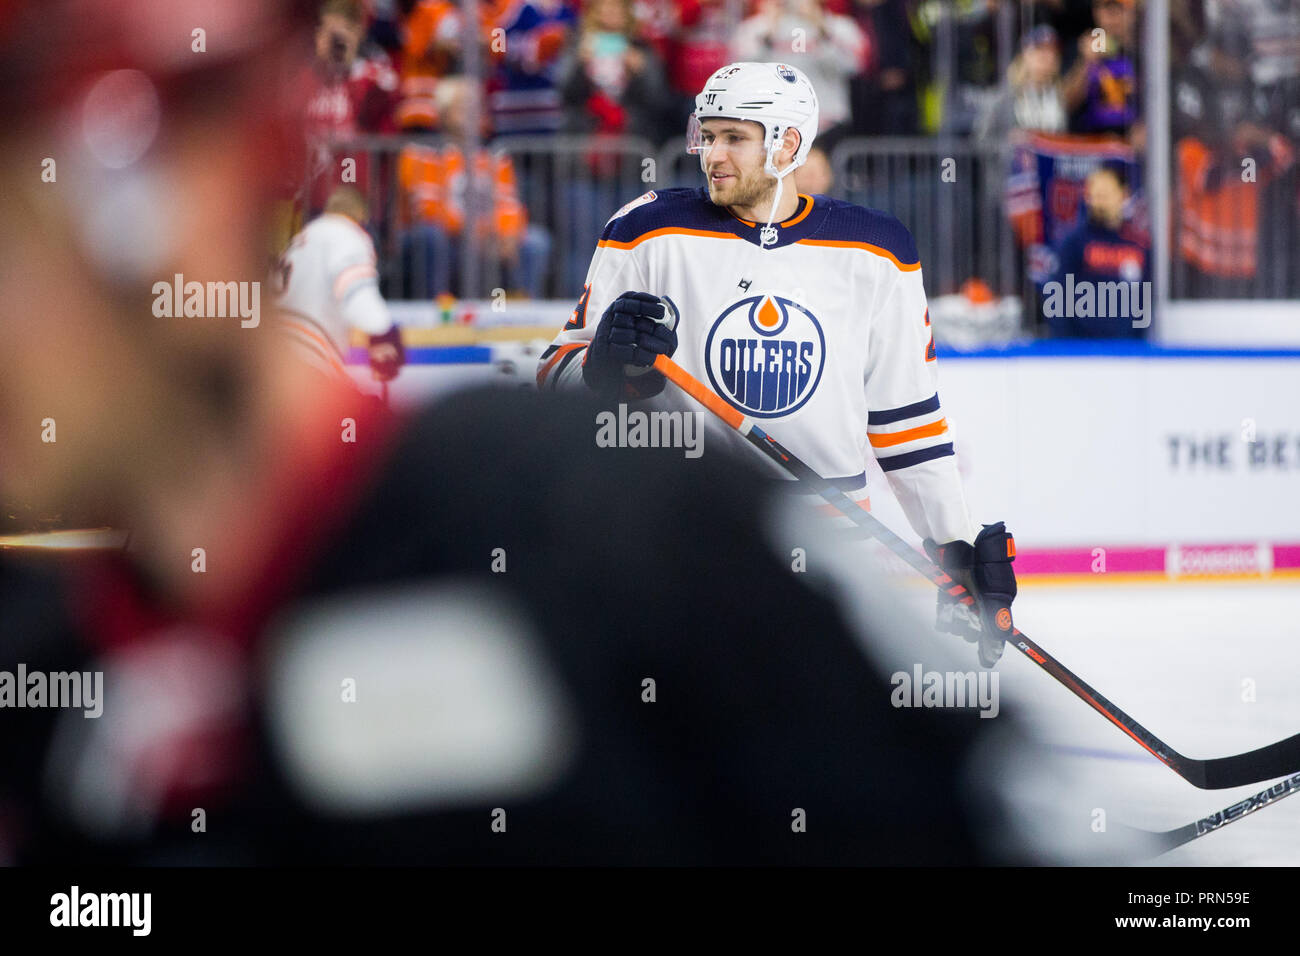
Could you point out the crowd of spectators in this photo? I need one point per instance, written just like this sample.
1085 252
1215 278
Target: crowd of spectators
614 66
605 68
1235 119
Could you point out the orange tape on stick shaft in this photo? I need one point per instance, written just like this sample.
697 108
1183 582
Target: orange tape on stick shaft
687 383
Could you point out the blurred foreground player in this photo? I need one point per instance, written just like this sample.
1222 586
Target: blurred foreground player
805 311
470 637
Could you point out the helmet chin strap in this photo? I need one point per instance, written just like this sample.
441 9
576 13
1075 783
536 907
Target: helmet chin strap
768 229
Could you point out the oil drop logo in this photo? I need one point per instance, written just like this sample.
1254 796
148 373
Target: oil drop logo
765 355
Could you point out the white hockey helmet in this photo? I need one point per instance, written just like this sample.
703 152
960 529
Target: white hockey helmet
775 95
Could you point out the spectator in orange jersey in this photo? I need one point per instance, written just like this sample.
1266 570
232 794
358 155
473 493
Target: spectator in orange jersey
1218 211
433 38
1225 246
436 192
430 35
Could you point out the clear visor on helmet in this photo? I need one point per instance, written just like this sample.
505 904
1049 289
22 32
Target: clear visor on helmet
694 136
742 146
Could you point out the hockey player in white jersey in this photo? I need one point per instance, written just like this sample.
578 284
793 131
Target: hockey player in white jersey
328 285
804 310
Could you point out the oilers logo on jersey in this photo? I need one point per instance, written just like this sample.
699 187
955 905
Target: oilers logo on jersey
765 355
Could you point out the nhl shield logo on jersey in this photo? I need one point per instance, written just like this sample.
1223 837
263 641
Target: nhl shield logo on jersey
641 200
765 355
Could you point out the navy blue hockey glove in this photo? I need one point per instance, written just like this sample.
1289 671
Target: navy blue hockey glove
983 569
635 328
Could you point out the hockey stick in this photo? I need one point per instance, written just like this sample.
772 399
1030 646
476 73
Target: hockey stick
1166 840
1275 760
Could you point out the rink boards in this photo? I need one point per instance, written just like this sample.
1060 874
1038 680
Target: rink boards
1129 460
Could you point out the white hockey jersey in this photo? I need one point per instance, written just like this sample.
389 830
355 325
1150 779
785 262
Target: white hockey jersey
823 337
328 285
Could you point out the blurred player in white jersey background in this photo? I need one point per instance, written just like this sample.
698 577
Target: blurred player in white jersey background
328 286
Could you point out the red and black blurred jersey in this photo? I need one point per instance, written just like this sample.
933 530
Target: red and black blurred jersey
624 565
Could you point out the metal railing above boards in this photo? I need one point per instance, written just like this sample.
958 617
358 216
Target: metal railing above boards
571 185
948 193
568 185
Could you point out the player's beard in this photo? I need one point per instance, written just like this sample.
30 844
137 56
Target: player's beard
754 189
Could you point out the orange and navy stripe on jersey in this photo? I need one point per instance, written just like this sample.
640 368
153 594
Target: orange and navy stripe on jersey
909 435
556 359
817 221
578 318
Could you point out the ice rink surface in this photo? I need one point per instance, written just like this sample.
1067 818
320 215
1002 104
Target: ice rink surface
1211 667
